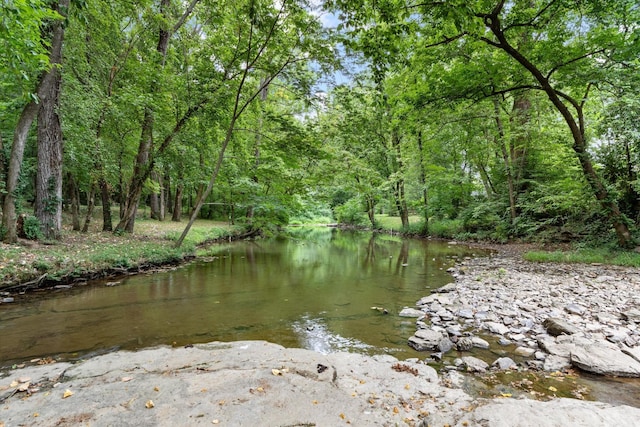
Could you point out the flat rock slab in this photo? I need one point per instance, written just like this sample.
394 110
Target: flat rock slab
603 360
251 383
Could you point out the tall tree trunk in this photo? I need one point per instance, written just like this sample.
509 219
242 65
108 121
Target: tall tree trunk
2 172
91 203
154 198
9 216
105 196
502 143
398 187
258 141
423 183
74 195
574 122
48 203
177 207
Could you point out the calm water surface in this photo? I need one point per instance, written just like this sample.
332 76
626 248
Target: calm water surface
314 291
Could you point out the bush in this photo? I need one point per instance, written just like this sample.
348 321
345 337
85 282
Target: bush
351 213
32 229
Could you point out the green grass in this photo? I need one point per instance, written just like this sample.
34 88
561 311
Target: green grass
586 256
394 222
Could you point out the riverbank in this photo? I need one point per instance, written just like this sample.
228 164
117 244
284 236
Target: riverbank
79 257
257 383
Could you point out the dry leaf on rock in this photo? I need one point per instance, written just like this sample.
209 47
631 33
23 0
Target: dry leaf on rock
149 404
67 393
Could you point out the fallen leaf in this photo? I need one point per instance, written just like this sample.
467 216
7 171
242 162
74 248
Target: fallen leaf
506 394
215 422
36 415
276 372
24 379
67 393
126 379
14 383
222 402
156 389
407 386
315 402
342 416
553 389
396 410
149 404
354 394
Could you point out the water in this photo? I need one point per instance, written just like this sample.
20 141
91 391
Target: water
313 291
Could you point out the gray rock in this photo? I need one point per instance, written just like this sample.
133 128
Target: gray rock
480 343
425 340
445 289
7 299
496 328
410 312
602 360
633 352
524 351
504 341
464 344
575 309
473 364
631 315
508 321
504 363
465 313
555 327
555 363
444 314
445 345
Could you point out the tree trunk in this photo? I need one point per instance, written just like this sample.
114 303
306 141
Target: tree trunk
2 172
48 203
74 195
423 183
502 143
575 124
177 207
154 199
105 196
91 199
398 188
9 216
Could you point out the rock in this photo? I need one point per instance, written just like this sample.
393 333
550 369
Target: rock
445 289
496 328
555 327
616 336
555 363
465 313
575 309
425 340
444 314
524 351
504 341
473 364
504 363
445 345
7 299
464 344
631 315
436 356
410 312
508 321
633 352
540 355
602 360
517 337
480 343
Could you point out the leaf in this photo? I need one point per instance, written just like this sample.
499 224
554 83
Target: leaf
126 379
276 372
553 389
149 404
506 394
67 393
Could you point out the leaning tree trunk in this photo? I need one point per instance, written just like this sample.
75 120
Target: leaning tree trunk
575 123
13 172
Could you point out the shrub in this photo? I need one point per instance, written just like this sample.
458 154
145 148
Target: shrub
351 213
32 229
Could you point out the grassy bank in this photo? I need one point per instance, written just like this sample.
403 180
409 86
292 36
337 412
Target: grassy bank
95 254
587 256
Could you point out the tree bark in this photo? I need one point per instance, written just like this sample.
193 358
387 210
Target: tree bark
2 172
91 203
423 183
48 203
105 196
177 207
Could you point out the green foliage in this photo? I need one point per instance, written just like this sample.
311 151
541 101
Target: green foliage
32 228
351 213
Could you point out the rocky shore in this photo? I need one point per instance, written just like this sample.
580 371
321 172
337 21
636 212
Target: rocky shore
553 316
254 383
